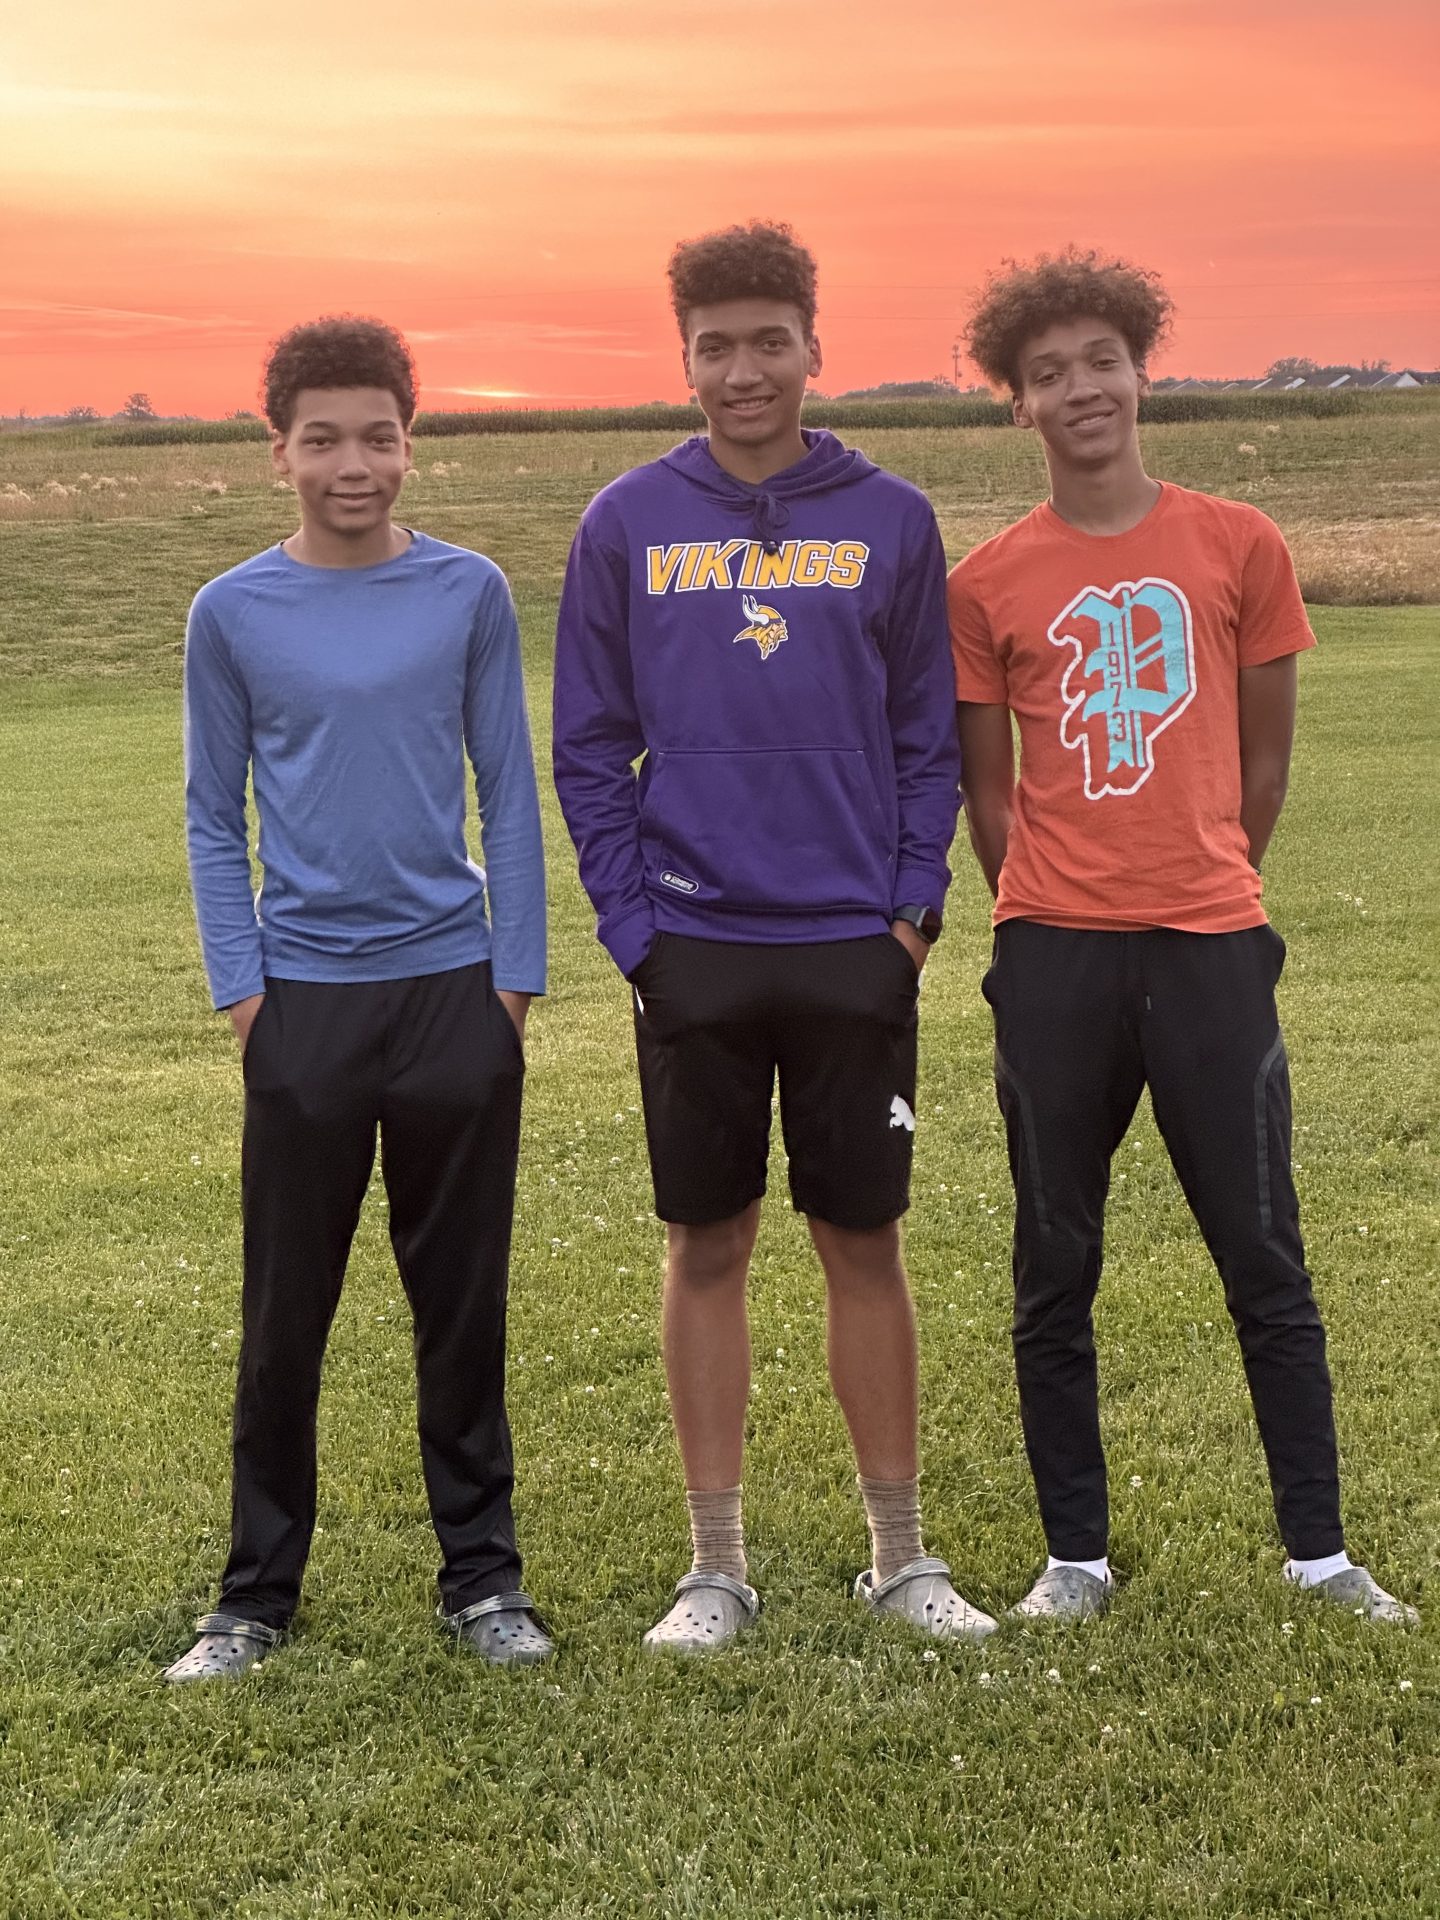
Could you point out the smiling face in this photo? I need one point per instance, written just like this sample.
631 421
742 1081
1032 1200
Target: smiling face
748 361
1080 390
345 454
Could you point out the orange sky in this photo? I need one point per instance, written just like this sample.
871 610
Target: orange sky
504 181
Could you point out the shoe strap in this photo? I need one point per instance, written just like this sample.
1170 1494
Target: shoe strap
513 1602
722 1583
231 1623
927 1568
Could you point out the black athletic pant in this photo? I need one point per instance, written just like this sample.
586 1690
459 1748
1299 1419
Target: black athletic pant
435 1063
1083 1021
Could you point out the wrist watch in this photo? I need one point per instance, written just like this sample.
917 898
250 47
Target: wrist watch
925 920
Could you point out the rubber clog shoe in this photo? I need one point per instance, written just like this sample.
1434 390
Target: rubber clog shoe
505 1630
708 1611
1064 1595
228 1646
921 1593
1358 1589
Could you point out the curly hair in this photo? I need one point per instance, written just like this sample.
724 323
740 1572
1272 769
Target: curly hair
762 260
339 350
1018 302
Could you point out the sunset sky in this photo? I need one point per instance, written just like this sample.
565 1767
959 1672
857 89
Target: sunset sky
504 182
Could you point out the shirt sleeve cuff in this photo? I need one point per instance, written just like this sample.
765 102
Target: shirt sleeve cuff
536 990
230 995
628 937
920 887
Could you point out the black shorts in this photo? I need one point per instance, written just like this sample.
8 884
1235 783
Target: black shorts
715 1020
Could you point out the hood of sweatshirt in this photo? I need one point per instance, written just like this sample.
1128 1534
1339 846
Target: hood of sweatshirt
827 465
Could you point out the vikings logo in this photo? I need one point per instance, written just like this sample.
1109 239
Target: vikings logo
767 626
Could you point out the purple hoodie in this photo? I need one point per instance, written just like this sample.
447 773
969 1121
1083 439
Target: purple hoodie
780 657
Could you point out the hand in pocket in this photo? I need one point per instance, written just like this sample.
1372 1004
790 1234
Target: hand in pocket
243 1016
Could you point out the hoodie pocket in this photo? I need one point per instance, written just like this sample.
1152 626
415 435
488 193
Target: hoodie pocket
778 830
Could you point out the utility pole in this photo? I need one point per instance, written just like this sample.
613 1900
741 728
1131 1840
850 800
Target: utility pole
955 363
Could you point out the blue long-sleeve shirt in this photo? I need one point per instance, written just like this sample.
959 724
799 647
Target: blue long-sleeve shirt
352 697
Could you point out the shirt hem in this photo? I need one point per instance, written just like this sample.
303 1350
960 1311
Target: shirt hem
1237 921
407 963
749 928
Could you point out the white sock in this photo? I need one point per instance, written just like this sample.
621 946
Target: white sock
1309 1573
1097 1569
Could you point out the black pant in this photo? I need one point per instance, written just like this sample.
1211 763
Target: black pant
435 1063
1083 1021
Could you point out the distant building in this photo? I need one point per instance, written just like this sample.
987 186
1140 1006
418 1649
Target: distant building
1351 380
1402 381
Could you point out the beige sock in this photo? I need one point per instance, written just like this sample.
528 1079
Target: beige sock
717 1532
892 1510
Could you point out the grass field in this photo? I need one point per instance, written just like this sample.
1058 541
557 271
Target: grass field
1216 1747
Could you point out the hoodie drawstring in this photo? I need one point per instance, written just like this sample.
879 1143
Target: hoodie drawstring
771 516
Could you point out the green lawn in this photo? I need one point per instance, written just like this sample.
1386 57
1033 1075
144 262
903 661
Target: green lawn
1215 1747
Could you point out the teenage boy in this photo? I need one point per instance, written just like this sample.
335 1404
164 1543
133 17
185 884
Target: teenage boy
379 981
760 614
1145 640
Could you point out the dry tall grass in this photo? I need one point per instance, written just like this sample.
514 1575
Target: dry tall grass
1358 496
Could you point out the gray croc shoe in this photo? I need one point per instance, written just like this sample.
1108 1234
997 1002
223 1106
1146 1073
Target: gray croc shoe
709 1610
504 1630
1063 1594
921 1593
227 1647
1358 1589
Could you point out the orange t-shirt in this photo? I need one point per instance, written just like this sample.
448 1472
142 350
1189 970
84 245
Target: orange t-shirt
1119 656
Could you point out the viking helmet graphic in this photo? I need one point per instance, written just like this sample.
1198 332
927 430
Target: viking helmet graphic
767 626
